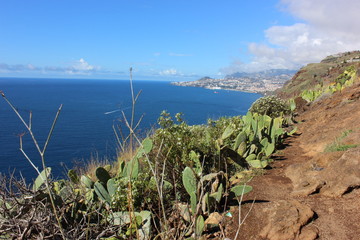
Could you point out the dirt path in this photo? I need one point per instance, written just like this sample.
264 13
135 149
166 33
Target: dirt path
312 190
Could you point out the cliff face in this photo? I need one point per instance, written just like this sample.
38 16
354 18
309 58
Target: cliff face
312 190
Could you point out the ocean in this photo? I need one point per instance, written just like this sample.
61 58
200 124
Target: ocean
90 110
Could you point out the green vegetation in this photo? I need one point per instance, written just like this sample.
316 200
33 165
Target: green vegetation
271 106
311 95
324 73
306 78
345 79
165 186
337 146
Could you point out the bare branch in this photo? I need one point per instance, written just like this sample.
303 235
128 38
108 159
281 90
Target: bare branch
52 129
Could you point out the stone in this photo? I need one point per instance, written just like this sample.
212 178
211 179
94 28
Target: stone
286 218
342 175
304 178
309 232
335 179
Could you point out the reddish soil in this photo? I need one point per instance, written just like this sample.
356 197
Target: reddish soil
317 179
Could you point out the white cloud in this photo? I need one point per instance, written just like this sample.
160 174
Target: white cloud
81 67
330 16
172 72
169 72
6 68
329 27
31 67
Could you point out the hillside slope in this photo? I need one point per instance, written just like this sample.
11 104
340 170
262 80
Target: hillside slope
312 190
322 73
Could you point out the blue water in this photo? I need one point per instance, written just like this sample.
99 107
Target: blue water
90 109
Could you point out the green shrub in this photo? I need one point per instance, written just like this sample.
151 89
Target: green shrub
271 106
348 74
345 79
311 95
140 193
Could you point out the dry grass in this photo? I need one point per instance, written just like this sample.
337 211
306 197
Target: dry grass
88 167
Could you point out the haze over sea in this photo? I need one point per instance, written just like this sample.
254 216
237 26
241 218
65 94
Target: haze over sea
90 109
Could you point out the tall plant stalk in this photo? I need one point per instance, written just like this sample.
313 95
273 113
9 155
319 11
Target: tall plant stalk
41 152
133 104
133 140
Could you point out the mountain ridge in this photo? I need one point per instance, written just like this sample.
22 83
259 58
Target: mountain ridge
264 73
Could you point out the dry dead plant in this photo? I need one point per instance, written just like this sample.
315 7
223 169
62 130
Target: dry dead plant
41 152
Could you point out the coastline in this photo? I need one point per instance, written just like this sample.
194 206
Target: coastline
263 93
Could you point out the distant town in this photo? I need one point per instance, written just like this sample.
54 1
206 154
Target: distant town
260 82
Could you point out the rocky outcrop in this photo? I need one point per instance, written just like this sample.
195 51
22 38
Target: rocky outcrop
286 219
333 180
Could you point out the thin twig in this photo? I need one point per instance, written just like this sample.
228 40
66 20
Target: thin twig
118 139
240 220
51 129
132 110
29 160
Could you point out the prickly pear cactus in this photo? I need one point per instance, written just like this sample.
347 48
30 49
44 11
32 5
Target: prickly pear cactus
241 137
101 192
74 178
40 180
227 133
111 186
131 169
242 148
195 158
258 163
189 180
86 181
269 149
147 145
102 175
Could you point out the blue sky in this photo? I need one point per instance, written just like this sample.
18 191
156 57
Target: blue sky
168 39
